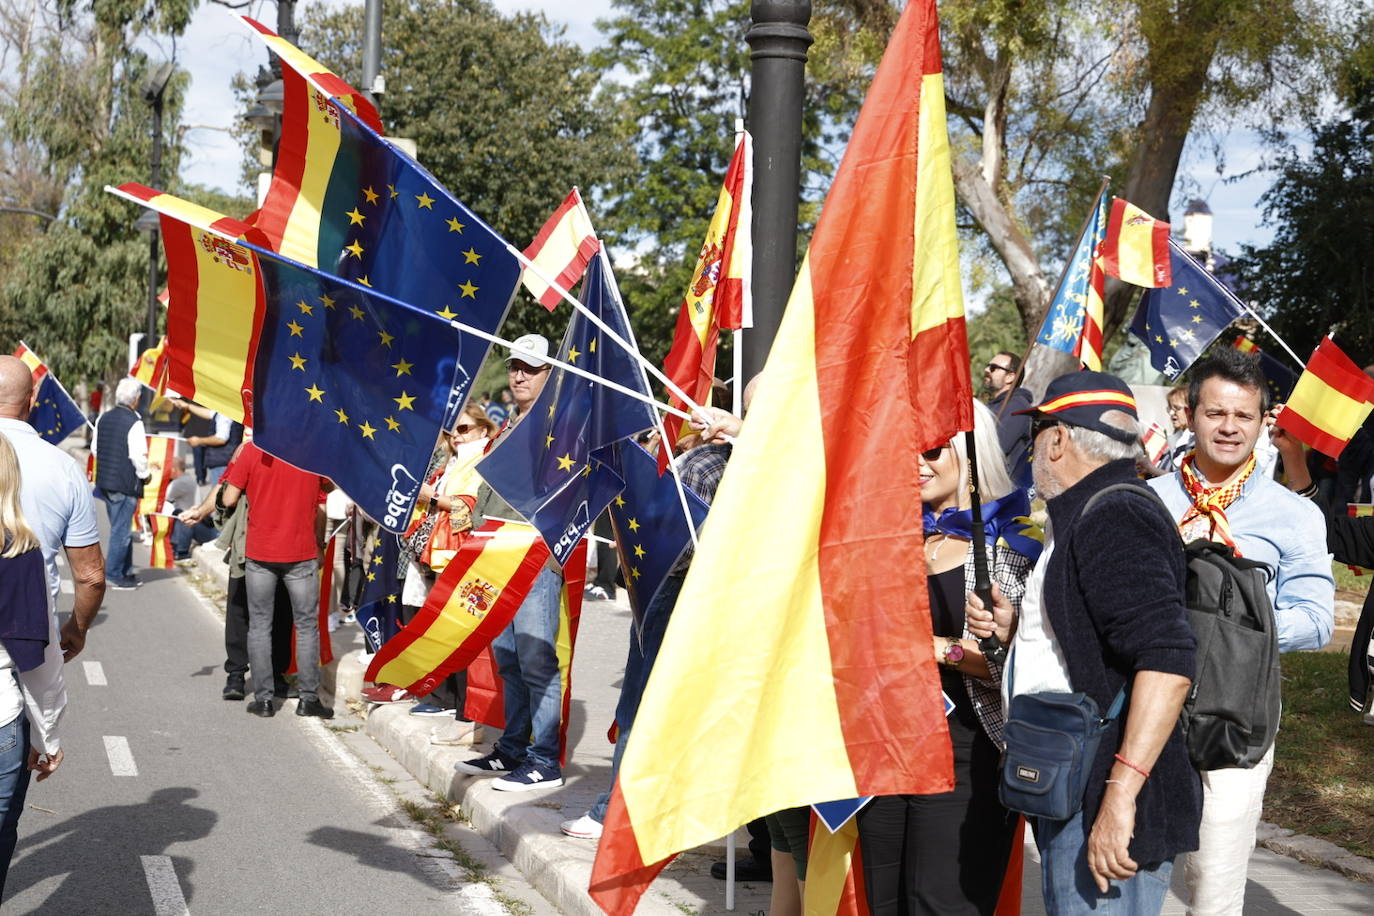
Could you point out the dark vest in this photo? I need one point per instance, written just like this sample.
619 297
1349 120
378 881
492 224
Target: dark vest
217 456
114 472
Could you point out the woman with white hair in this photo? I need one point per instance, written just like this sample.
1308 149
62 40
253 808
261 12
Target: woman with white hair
947 854
121 468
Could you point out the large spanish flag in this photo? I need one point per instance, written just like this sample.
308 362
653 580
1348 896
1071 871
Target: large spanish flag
719 295
1330 402
825 689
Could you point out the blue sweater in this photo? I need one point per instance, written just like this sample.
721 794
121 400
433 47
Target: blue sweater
1114 595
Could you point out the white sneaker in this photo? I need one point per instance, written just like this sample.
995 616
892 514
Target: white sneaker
583 828
454 734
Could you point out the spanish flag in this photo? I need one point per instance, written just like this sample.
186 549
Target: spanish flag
1136 247
820 540
317 73
161 451
1331 401
835 872
561 250
160 553
151 366
719 296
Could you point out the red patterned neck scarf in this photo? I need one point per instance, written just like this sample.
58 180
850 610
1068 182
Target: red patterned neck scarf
1210 502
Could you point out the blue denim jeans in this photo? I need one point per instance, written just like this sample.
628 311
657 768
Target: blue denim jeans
643 651
1068 884
14 786
302 581
119 560
183 534
526 654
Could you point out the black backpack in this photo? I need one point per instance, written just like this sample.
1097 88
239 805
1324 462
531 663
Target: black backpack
1231 715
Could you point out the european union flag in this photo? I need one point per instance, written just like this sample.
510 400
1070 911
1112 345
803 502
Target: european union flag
1064 320
558 468
1278 378
379 606
386 223
352 385
55 416
650 529
1178 322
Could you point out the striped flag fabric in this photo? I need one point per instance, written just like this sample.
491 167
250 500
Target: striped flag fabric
561 251
1136 247
160 551
1088 347
1156 442
161 451
1330 402
719 296
55 415
151 366
836 596
835 871
318 74
1062 328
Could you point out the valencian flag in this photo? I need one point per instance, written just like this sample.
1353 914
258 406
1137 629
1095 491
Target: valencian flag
558 467
562 249
834 597
719 295
1278 378
151 366
1178 322
161 451
160 552
651 531
379 606
345 201
1067 316
343 381
55 415
1330 402
1136 247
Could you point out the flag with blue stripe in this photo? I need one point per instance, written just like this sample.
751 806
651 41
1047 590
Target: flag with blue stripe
1064 320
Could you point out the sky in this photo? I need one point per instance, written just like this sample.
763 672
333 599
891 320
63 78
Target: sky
215 47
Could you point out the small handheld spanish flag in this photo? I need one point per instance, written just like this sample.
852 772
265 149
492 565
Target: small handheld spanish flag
1330 402
160 554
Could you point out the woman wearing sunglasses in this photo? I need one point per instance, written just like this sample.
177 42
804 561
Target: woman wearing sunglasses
947 854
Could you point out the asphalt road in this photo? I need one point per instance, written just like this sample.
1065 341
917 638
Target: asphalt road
172 800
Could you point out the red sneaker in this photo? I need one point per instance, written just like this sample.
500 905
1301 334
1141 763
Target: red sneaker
387 693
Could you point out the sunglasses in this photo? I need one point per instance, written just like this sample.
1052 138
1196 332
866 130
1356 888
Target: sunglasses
993 367
933 454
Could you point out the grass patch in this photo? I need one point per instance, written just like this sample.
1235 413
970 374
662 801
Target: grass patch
1320 785
343 729
1348 585
431 819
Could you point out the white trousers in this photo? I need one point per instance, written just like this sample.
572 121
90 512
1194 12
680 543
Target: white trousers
1231 803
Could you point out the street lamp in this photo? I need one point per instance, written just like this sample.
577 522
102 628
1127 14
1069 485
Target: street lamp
153 88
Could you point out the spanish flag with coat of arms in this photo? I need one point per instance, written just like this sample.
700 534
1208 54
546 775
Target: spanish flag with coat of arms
818 692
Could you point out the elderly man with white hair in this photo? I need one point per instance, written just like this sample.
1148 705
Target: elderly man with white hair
121 469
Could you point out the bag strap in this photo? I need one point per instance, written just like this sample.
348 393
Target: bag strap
1117 703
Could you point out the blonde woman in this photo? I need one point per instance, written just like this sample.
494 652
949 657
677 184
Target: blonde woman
30 705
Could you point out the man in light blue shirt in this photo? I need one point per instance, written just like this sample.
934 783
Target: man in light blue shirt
57 504
1220 492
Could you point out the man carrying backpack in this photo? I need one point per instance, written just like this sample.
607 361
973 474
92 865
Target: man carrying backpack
1216 494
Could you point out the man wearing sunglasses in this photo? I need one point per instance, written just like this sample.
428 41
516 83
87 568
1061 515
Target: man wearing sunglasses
1006 401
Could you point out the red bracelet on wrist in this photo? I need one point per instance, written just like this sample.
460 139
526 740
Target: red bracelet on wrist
1140 770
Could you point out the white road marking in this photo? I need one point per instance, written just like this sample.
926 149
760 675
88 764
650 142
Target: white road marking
121 758
66 587
95 674
168 899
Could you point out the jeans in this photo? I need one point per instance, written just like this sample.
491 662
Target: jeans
640 661
14 786
1216 872
1069 887
236 630
526 654
119 561
302 580
183 534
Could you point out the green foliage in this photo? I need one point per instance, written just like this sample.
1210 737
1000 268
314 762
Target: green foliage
507 114
996 328
73 119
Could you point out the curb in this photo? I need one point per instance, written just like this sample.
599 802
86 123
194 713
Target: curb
1313 851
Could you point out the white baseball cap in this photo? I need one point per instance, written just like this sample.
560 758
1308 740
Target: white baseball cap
538 347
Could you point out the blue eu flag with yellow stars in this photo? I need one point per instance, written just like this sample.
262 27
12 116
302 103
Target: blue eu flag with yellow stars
650 528
1064 320
379 605
55 416
558 467
352 385
1179 322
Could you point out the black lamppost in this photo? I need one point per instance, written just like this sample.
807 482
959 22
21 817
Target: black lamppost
153 89
779 40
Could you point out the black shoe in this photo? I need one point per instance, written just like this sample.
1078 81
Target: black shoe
308 707
262 708
746 869
233 688
285 690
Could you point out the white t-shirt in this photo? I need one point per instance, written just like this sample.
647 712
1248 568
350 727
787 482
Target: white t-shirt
1036 663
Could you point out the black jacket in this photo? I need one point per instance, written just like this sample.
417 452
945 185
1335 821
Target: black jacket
1114 594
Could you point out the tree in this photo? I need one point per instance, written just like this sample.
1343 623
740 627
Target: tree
506 113
73 119
1315 275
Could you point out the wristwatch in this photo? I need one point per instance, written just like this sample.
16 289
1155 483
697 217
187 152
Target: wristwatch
954 652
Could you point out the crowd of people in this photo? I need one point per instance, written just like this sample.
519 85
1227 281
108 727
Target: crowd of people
1092 601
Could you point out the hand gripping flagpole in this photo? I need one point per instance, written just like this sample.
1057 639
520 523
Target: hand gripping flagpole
990 646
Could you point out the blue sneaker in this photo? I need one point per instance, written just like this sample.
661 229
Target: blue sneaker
530 776
494 764
429 709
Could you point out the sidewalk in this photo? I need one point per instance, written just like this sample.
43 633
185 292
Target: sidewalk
524 826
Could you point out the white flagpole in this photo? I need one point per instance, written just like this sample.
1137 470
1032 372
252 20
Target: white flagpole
1283 343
